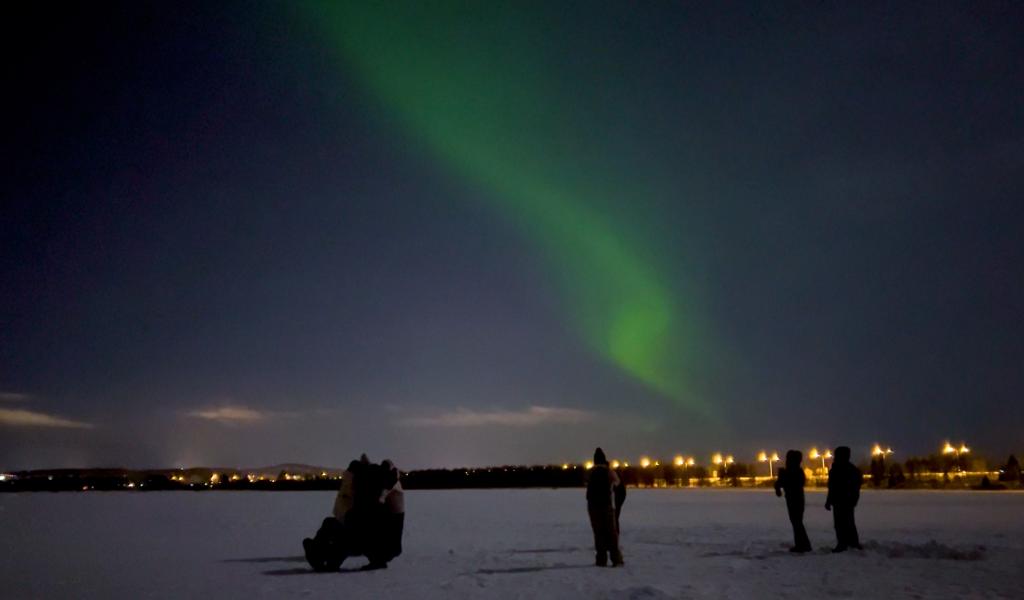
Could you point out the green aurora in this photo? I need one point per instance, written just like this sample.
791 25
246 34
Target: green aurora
472 85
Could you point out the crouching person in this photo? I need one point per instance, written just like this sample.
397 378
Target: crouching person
601 484
333 543
387 543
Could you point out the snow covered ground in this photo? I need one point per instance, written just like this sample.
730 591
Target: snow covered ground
510 544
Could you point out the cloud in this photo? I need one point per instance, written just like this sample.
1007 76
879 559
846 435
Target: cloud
529 417
230 415
29 418
14 397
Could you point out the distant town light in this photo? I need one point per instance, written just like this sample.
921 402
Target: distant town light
588 465
615 464
644 462
679 461
565 466
716 458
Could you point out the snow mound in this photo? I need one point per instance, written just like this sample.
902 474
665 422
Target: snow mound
643 592
930 550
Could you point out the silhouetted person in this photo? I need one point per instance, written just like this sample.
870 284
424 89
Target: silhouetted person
386 540
601 509
791 480
334 541
619 494
345 499
360 524
844 481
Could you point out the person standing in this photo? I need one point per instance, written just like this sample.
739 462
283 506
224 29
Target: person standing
619 495
844 481
791 479
601 483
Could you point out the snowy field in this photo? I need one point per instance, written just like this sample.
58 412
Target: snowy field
510 544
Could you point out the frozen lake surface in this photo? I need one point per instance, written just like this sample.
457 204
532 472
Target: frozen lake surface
510 544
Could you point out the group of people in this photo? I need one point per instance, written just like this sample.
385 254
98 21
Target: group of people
368 519
844 482
369 511
606 493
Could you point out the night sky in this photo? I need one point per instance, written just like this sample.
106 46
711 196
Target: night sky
490 233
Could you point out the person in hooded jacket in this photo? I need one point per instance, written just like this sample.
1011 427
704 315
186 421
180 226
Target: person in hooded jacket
791 479
844 482
345 499
387 543
338 536
619 495
601 483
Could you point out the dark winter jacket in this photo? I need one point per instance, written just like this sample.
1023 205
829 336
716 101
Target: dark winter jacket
844 481
791 481
600 487
791 478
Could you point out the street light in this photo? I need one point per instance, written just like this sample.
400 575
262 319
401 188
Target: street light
644 462
679 461
956 452
877 451
763 457
814 454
